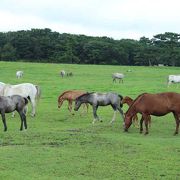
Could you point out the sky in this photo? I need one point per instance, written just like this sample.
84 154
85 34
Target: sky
117 19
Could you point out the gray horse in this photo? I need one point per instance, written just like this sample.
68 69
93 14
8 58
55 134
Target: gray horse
101 99
12 103
119 76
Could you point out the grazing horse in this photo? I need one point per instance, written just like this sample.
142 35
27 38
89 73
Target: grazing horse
27 90
62 73
129 101
119 76
101 99
10 104
19 74
69 74
154 104
70 96
173 79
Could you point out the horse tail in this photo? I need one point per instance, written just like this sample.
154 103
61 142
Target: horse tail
38 93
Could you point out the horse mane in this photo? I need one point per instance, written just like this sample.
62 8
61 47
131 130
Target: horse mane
137 98
85 94
120 96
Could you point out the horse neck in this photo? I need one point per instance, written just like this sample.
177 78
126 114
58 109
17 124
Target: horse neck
129 102
131 111
85 99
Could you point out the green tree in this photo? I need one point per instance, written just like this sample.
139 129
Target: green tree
8 52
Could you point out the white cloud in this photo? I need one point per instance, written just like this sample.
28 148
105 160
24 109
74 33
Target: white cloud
115 18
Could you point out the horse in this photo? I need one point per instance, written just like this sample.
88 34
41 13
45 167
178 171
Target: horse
10 104
154 104
19 74
69 74
129 101
27 90
173 79
70 96
119 76
101 99
62 73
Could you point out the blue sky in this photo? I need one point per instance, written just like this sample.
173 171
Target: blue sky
113 18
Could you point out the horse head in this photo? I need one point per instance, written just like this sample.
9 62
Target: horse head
127 122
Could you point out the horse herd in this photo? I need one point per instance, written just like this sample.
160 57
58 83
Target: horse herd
146 104
16 97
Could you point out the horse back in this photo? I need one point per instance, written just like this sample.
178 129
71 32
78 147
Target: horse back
71 94
158 104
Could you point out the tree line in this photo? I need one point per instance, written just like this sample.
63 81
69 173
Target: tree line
44 45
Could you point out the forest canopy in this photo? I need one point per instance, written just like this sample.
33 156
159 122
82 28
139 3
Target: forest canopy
44 45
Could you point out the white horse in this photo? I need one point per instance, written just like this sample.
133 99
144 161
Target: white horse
19 74
27 90
173 79
119 76
62 73
1 86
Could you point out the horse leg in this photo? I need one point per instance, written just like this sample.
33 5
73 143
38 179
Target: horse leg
114 117
87 106
70 107
95 114
141 124
25 110
84 105
135 119
23 120
177 123
33 103
149 121
146 119
4 120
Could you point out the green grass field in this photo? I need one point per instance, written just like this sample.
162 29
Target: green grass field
58 145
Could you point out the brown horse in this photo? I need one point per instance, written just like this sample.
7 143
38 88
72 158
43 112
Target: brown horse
129 101
70 96
154 104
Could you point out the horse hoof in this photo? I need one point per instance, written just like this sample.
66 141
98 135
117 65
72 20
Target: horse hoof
146 133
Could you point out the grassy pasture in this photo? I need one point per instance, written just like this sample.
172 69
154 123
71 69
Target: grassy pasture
58 145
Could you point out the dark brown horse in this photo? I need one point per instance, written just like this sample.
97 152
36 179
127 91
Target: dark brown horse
154 104
129 101
70 96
